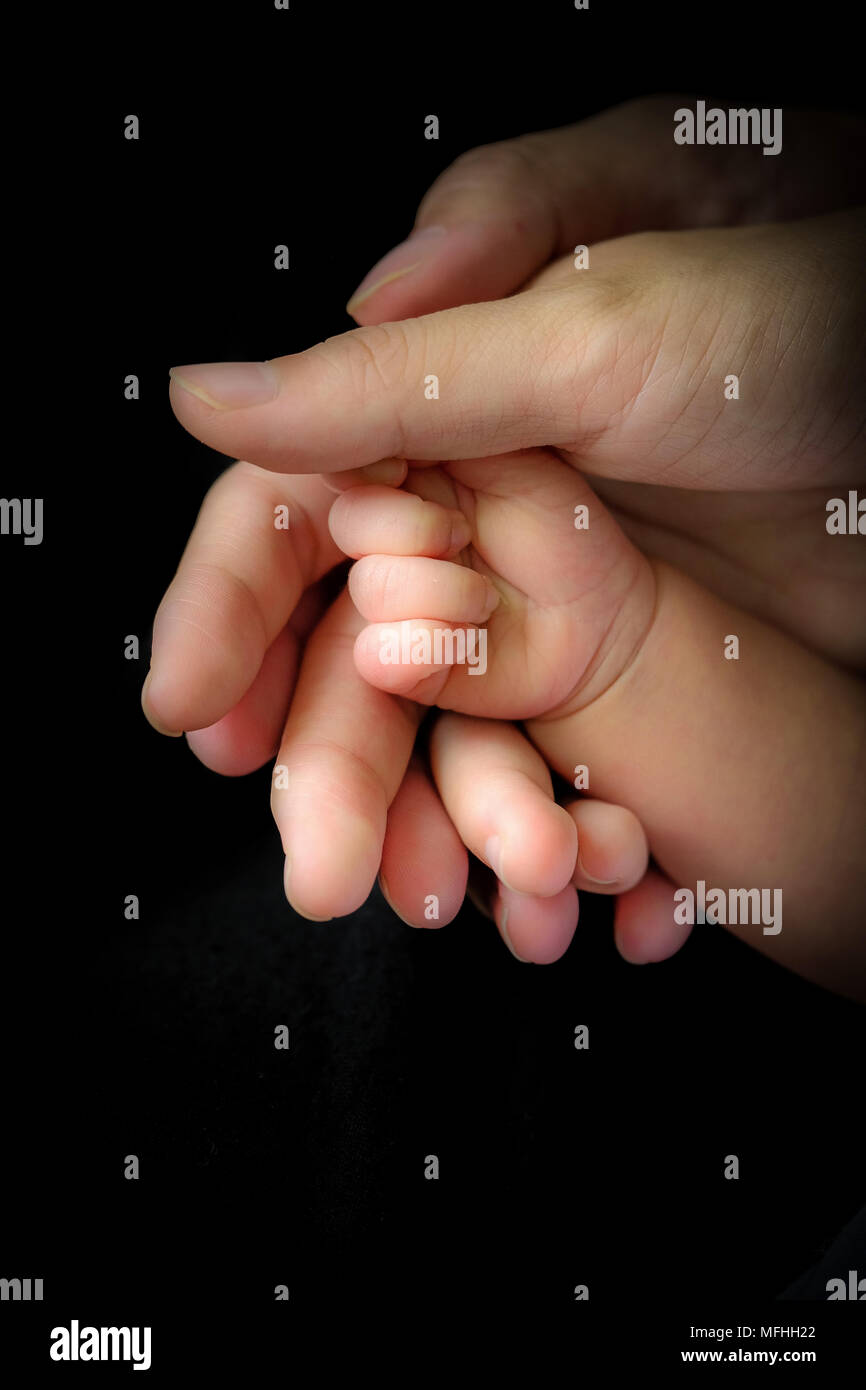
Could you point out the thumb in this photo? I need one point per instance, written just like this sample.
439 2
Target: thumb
471 381
502 211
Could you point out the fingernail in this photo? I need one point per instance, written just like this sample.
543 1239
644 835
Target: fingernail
493 855
492 599
507 939
461 532
228 385
386 894
387 471
151 717
602 882
398 262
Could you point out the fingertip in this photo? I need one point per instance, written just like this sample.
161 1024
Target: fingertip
287 886
501 919
537 931
424 865
330 868
645 931
147 705
460 535
534 848
613 852
386 657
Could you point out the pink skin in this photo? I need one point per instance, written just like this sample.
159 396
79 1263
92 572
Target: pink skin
601 651
498 790
501 211
611 842
506 817
612 852
422 854
439 268
501 797
577 601
644 928
240 575
542 935
510 208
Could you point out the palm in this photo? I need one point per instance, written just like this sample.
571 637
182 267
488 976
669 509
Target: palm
560 587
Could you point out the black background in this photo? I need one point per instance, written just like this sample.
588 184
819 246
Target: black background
155 1037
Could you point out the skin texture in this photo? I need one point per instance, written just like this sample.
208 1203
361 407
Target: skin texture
251 658
507 209
620 646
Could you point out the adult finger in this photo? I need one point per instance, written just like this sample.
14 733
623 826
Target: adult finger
258 542
343 754
497 790
249 735
643 926
424 861
540 924
612 849
501 211
474 380
537 930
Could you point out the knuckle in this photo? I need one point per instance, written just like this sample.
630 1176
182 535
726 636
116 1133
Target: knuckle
376 358
589 340
234 498
225 486
208 596
505 162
